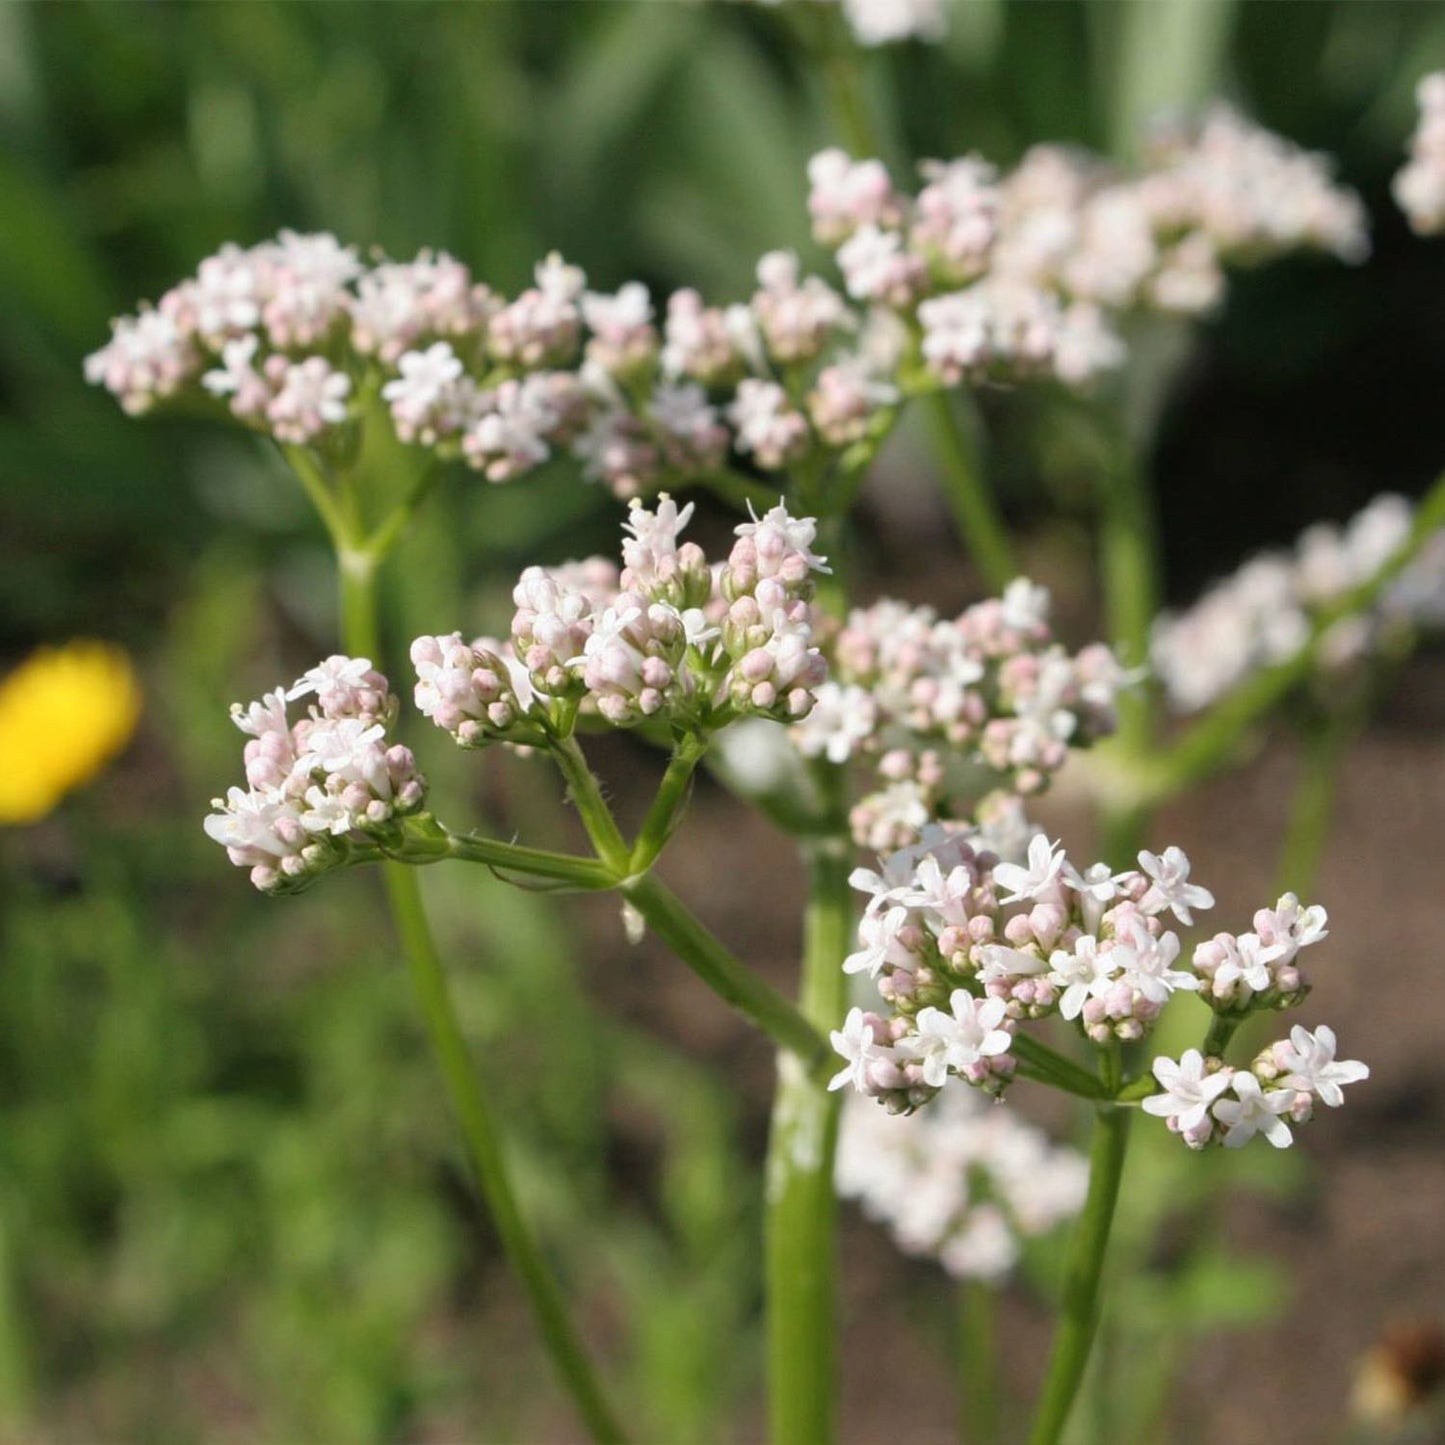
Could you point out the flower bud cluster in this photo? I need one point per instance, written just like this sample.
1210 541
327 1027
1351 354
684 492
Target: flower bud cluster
301 339
1206 1101
1420 185
962 1182
669 636
908 690
1260 969
323 790
965 947
1017 276
1266 612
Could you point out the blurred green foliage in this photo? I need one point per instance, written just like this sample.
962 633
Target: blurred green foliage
231 1205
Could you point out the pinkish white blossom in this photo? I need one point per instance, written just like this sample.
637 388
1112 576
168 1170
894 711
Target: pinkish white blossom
1420 185
960 1181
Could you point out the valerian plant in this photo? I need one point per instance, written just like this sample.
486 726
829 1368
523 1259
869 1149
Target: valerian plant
984 955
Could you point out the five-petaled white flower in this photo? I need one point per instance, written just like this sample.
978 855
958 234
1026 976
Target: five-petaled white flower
1252 1111
1310 1059
878 933
1188 1090
1096 882
946 1042
1043 869
855 1043
1085 973
1170 886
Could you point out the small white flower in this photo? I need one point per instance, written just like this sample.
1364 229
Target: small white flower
955 1041
425 377
1146 963
1083 974
1253 1112
1170 887
854 1042
1096 882
338 672
1025 605
878 933
1249 962
1313 1068
1290 927
1001 964
1188 1090
1044 866
842 719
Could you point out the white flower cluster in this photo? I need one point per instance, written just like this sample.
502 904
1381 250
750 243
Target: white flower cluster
1018 275
670 636
963 1182
1266 612
1241 972
322 791
1205 1101
965 947
294 335
909 691
1420 184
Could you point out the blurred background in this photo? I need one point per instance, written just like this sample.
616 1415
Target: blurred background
231 1205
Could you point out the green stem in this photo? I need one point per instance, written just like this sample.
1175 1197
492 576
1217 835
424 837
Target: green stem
974 510
730 979
585 873
978 1415
1040 1062
1307 831
667 807
1078 1320
387 534
488 1159
1222 1028
1122 831
309 473
801 1224
360 635
596 816
360 623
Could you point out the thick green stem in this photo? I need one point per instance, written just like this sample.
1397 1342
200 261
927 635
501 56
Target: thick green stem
978 1415
360 635
802 1206
1222 1028
360 624
974 510
1079 1316
314 482
730 979
484 1147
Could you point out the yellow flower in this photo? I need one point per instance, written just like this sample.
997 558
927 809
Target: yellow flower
64 713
